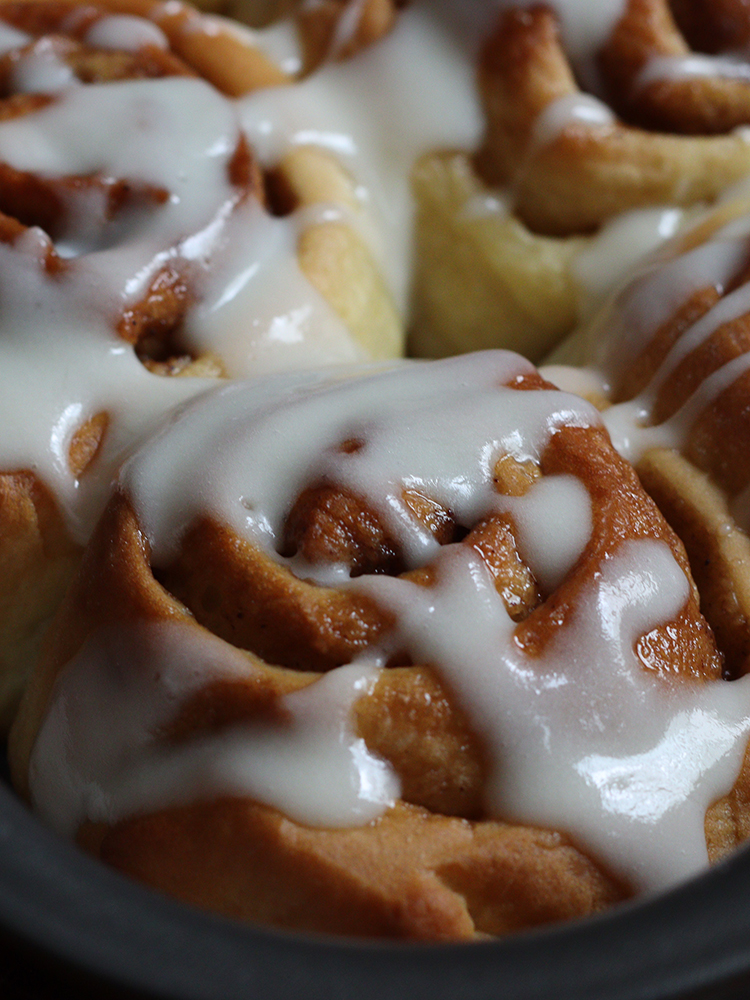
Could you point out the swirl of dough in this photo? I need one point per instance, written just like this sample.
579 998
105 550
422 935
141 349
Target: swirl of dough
569 158
412 644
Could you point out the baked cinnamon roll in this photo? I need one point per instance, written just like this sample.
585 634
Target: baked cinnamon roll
144 234
402 653
603 127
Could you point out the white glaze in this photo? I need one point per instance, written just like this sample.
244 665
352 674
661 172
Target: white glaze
420 94
608 259
126 33
582 739
586 382
114 263
279 41
240 430
659 288
11 38
42 69
553 525
125 685
693 66
569 111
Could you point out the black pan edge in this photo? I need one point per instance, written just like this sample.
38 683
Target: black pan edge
85 922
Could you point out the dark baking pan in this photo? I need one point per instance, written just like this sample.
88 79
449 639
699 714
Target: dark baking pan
78 924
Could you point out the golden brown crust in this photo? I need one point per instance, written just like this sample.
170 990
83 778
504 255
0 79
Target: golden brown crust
36 554
333 256
37 561
585 175
698 482
704 105
411 875
152 325
620 510
106 595
713 25
434 867
728 820
639 373
233 589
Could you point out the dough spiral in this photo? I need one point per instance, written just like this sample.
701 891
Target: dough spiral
387 658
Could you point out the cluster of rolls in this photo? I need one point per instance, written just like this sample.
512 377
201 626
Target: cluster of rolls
601 129
321 638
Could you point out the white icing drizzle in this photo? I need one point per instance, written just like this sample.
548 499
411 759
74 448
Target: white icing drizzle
79 372
124 687
279 41
694 66
594 765
553 525
608 259
420 92
11 38
116 259
586 382
728 308
570 110
626 238
196 126
488 204
258 314
581 738
240 430
126 33
621 332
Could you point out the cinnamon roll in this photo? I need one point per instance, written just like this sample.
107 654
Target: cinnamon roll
603 128
145 234
405 653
